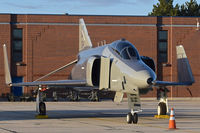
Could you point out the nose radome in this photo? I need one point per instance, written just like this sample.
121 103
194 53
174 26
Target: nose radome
149 81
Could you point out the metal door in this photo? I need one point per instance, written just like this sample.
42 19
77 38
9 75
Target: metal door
17 91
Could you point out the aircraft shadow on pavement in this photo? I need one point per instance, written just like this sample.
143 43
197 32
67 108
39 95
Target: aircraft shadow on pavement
59 114
63 114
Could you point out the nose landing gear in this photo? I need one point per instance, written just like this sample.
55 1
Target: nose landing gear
135 106
132 118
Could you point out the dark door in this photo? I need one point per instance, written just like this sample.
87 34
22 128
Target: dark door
17 91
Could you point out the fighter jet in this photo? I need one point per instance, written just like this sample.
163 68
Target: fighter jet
114 67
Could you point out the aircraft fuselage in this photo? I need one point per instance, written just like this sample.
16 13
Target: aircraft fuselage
127 71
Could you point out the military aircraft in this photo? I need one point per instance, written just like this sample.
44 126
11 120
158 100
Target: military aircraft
114 67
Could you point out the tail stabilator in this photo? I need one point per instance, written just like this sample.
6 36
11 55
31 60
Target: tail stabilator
6 66
84 38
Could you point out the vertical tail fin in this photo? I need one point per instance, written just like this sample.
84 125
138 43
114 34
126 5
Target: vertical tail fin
6 66
84 39
184 70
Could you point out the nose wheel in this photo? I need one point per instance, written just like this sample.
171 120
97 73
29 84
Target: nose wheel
132 118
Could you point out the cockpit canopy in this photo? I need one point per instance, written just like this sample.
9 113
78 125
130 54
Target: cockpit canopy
125 49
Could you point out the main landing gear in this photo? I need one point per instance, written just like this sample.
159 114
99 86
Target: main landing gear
40 105
42 108
132 118
162 108
163 102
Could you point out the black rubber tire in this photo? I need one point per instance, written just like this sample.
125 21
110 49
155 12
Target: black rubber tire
129 118
163 108
74 96
42 108
135 118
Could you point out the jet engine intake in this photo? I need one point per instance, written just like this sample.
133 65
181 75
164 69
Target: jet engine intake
93 71
149 62
98 72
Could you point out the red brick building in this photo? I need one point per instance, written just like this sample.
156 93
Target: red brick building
38 44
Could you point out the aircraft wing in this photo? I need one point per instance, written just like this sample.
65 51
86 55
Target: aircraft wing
166 83
52 83
185 76
40 83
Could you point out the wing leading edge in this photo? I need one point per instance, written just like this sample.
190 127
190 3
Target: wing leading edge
166 83
52 83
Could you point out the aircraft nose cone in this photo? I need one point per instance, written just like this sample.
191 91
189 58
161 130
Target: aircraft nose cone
149 81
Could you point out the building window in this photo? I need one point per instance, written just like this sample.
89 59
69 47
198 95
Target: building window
162 46
17 45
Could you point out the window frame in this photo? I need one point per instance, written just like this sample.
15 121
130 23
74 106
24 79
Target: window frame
161 58
15 51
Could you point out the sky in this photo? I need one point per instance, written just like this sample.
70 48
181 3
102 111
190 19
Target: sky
86 7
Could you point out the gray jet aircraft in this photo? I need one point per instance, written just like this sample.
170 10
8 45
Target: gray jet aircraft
114 67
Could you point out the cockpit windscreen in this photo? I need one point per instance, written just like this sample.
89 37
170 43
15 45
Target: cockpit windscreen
125 49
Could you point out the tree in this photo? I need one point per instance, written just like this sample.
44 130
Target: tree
191 8
164 8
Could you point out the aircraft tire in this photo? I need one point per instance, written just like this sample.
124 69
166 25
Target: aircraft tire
129 118
162 108
42 108
74 96
135 118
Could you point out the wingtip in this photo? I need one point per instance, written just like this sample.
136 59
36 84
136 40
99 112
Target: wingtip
6 67
180 52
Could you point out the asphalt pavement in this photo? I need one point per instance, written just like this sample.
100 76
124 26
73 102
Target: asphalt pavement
98 117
